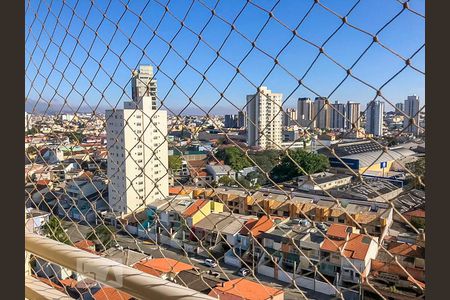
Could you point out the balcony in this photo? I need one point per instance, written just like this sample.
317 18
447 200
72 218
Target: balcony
105 271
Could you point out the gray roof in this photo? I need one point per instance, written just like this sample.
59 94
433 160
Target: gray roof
367 159
216 222
127 257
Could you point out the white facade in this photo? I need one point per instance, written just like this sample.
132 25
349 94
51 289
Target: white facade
264 127
137 148
338 115
322 113
353 112
374 118
411 109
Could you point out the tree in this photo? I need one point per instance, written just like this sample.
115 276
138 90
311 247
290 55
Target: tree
174 162
234 157
418 223
102 234
33 130
310 162
54 230
417 168
76 137
226 180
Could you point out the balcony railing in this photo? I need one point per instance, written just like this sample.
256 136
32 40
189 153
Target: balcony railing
126 279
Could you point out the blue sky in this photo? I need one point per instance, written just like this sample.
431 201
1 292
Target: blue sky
135 42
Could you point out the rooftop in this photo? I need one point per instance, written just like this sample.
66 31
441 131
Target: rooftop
242 288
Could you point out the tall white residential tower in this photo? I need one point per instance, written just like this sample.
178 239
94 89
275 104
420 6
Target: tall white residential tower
264 126
137 147
374 118
411 109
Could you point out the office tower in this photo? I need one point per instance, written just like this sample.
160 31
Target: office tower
399 108
322 113
289 117
411 109
137 147
264 119
242 119
305 112
374 118
353 113
338 115
231 121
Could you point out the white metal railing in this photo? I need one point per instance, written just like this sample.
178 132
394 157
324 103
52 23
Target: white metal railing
132 281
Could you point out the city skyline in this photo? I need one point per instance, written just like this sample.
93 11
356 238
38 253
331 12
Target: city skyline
375 68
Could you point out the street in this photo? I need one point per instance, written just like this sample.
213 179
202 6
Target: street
226 272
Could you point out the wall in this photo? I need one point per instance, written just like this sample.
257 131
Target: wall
302 281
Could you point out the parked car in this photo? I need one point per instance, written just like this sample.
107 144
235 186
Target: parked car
210 263
244 272
322 227
304 222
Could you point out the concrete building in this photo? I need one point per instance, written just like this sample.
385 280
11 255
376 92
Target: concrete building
242 119
322 113
137 148
264 119
289 117
231 121
338 115
399 107
374 118
305 112
353 113
411 109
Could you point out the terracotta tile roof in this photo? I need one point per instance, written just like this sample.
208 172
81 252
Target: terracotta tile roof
109 293
158 266
339 230
332 245
394 268
195 207
178 190
196 163
86 245
257 226
418 213
242 288
356 246
405 249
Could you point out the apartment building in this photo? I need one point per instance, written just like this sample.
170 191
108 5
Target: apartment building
264 126
411 109
374 118
137 147
305 112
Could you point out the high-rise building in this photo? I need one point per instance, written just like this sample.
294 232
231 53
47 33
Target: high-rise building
399 108
264 114
353 113
305 112
411 109
231 121
289 117
374 118
137 147
242 119
322 113
338 115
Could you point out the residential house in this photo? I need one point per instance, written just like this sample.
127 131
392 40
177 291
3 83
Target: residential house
398 273
165 268
244 289
346 254
218 171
